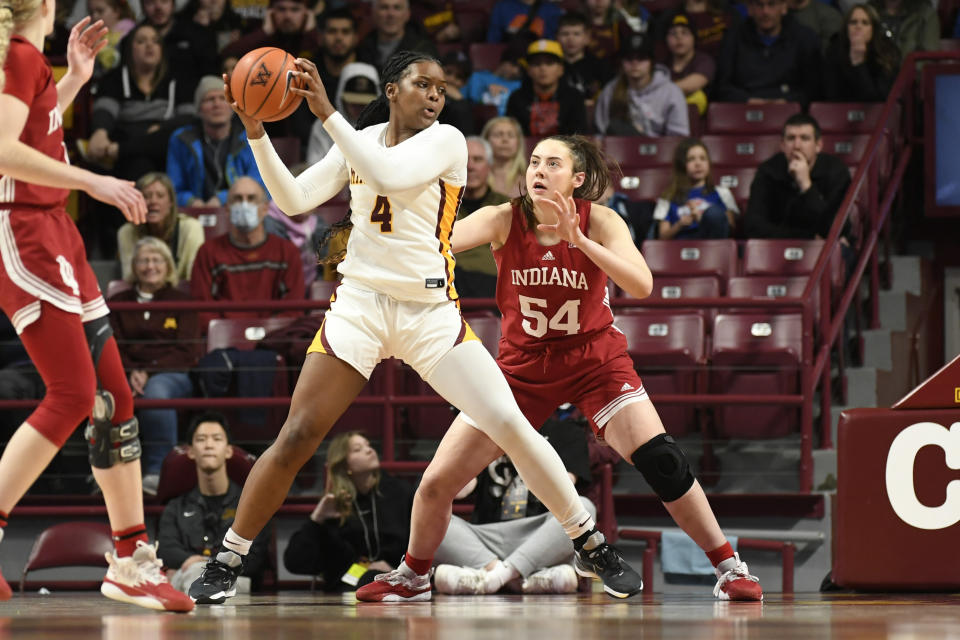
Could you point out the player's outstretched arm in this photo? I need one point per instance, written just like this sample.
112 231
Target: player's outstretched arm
487 225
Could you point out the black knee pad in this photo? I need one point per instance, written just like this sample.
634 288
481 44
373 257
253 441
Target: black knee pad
664 467
98 331
111 444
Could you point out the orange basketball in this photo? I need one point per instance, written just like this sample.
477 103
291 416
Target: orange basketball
261 82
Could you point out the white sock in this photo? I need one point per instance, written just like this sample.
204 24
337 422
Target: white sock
234 546
579 524
594 541
728 565
501 574
1 535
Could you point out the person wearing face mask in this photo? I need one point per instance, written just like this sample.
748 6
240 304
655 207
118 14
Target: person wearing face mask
246 263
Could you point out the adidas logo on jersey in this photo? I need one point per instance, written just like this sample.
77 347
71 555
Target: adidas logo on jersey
548 256
626 387
571 245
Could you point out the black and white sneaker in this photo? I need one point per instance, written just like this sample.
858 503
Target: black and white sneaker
217 583
605 562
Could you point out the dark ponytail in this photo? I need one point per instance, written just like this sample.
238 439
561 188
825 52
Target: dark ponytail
376 112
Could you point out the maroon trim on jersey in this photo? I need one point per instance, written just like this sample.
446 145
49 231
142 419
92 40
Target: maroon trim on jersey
445 249
324 341
463 331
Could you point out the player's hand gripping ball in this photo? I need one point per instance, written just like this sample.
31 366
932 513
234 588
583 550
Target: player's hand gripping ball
261 83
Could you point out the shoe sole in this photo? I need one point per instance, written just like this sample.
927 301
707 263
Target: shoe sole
392 597
584 573
114 592
217 598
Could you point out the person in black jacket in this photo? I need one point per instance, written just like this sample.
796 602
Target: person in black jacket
861 61
544 105
360 525
768 57
193 524
393 31
796 193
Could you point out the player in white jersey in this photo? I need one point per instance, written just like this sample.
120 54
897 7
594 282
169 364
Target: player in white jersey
397 299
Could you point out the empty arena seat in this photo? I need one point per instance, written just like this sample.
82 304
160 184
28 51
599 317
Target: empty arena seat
637 151
847 117
736 117
473 24
668 351
737 179
322 289
486 55
69 544
117 286
643 183
770 287
715 258
790 258
241 333
756 354
741 150
214 220
673 287
848 147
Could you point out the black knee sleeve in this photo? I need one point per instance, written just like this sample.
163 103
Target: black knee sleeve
109 444
98 331
664 467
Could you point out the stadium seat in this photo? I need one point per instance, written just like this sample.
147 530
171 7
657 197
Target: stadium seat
790 258
769 287
178 474
737 179
668 351
741 150
639 183
752 119
848 147
288 148
473 23
639 152
482 113
69 544
241 333
756 354
847 117
117 286
214 220
486 55
695 120
322 289
681 287
715 258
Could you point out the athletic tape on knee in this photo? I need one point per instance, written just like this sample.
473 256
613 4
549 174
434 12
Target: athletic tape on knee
110 444
98 331
664 467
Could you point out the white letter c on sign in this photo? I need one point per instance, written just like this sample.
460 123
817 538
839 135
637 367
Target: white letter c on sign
900 462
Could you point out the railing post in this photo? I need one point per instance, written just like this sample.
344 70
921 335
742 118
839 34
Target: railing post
826 388
872 191
807 385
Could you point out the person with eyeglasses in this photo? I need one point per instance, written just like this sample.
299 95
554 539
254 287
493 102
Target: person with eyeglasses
157 349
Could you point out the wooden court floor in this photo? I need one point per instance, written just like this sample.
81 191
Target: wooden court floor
582 617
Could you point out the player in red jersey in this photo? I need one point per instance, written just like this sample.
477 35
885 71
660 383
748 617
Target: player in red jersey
554 251
50 294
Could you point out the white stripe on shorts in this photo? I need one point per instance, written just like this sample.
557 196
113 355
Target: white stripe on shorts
603 416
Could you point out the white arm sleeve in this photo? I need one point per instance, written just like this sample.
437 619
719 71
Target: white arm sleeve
416 161
313 187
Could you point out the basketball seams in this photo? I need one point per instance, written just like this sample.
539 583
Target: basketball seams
261 72
246 81
266 95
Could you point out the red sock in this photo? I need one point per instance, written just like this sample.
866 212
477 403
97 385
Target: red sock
720 554
125 541
421 567
3 519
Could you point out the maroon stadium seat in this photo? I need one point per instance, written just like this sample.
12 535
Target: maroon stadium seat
473 25
790 258
848 147
847 117
681 287
756 354
737 179
69 544
668 350
741 150
214 220
752 119
486 55
770 287
322 289
639 183
636 151
695 119
288 148
117 286
715 258
241 333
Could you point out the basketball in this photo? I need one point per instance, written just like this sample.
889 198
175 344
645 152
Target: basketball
261 83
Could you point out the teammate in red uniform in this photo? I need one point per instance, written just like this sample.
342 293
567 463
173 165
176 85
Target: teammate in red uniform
554 251
51 296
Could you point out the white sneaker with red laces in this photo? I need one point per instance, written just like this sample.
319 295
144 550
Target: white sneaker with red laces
454 580
399 585
734 581
561 578
139 580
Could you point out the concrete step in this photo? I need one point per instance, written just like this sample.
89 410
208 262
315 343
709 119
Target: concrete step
907 274
893 310
862 387
877 352
824 469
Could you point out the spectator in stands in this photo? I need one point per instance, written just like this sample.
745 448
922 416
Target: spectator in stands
247 263
476 272
206 156
192 524
190 49
607 28
861 63
509 154
641 100
544 105
581 69
512 542
494 87
305 231
182 234
690 69
912 24
637 214
710 21
796 193
393 31
217 17
525 20
457 111
157 349
439 20
693 206
361 524
819 17
358 85
136 107
956 28
769 57
339 39
118 18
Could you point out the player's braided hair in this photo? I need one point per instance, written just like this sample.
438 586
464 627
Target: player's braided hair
12 13
375 112
589 159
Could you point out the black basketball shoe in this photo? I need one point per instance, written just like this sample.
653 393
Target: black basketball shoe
605 562
217 583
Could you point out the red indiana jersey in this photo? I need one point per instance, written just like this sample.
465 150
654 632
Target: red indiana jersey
549 293
30 80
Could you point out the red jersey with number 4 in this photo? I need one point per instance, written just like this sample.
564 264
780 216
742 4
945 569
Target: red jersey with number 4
30 80
549 294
